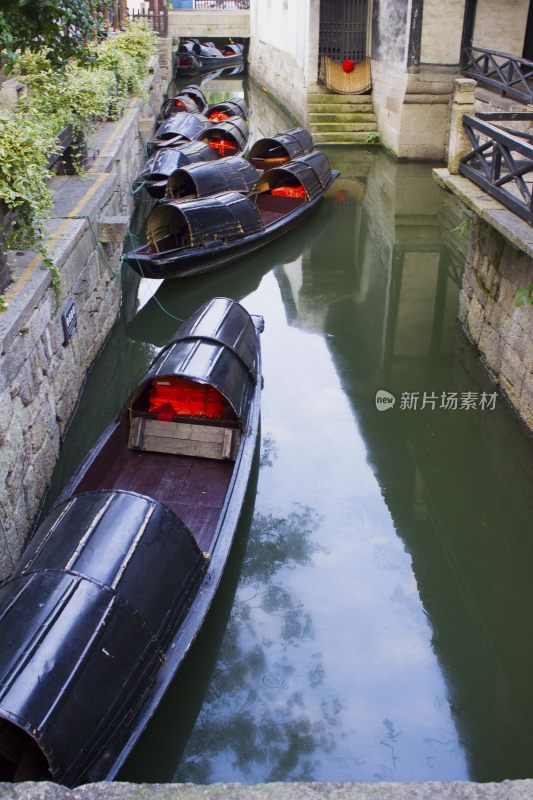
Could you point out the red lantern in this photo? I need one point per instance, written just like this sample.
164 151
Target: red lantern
348 65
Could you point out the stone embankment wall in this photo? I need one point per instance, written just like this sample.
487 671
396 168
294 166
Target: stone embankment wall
40 375
499 263
496 269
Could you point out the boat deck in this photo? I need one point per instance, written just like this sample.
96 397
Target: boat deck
194 488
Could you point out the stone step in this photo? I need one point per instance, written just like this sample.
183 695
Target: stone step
330 127
354 99
357 137
342 118
339 108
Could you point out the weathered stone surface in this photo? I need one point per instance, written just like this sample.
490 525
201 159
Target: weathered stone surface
499 263
40 376
507 790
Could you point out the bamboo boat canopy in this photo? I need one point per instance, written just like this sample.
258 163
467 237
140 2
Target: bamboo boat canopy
289 144
311 171
212 177
216 347
223 217
233 129
186 126
236 107
63 591
165 161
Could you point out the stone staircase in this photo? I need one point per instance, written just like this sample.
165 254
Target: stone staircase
341 118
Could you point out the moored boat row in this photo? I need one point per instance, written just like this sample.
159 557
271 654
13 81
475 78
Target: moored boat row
217 207
113 588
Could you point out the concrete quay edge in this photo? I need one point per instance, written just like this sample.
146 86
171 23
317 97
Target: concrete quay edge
511 227
434 790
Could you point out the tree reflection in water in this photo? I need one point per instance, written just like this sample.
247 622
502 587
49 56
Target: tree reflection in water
272 734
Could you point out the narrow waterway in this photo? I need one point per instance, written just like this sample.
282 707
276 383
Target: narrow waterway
375 619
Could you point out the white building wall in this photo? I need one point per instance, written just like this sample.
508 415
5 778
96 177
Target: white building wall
279 50
501 25
442 28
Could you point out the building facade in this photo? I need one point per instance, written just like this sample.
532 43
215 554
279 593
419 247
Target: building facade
415 46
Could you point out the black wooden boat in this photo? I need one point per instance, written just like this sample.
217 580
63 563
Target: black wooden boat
212 177
158 168
228 137
159 180
277 150
103 606
191 100
236 107
179 128
213 58
194 56
193 236
218 142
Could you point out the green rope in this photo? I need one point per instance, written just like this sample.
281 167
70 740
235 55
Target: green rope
154 297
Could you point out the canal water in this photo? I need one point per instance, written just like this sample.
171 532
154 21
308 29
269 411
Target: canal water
374 623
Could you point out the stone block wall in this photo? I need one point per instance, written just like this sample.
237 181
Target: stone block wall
209 24
40 375
278 72
495 270
412 110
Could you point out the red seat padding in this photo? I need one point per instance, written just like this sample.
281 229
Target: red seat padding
169 396
289 191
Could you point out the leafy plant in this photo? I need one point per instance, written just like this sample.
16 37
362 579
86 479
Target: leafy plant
77 96
64 27
373 138
524 296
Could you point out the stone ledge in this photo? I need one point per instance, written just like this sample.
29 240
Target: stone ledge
507 790
72 197
511 227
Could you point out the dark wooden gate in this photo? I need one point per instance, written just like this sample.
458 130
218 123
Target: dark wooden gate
343 29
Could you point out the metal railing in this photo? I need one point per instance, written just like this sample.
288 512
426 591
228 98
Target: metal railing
511 75
158 22
501 161
221 5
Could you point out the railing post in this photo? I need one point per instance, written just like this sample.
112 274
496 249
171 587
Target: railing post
462 103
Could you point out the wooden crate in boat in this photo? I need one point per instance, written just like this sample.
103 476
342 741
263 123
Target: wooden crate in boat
184 438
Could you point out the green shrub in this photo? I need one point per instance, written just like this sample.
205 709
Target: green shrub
76 95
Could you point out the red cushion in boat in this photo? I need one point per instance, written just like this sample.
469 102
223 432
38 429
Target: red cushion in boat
222 145
218 116
169 396
289 191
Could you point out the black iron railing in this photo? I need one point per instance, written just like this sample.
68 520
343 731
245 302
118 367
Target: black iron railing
501 161
511 75
158 22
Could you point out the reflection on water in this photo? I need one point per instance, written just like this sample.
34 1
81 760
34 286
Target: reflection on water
380 627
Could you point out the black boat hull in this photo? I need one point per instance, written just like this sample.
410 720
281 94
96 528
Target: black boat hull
217 62
180 264
116 753
207 64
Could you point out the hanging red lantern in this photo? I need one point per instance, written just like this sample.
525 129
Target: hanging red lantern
348 65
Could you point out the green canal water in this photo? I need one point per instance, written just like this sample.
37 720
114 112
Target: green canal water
374 622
